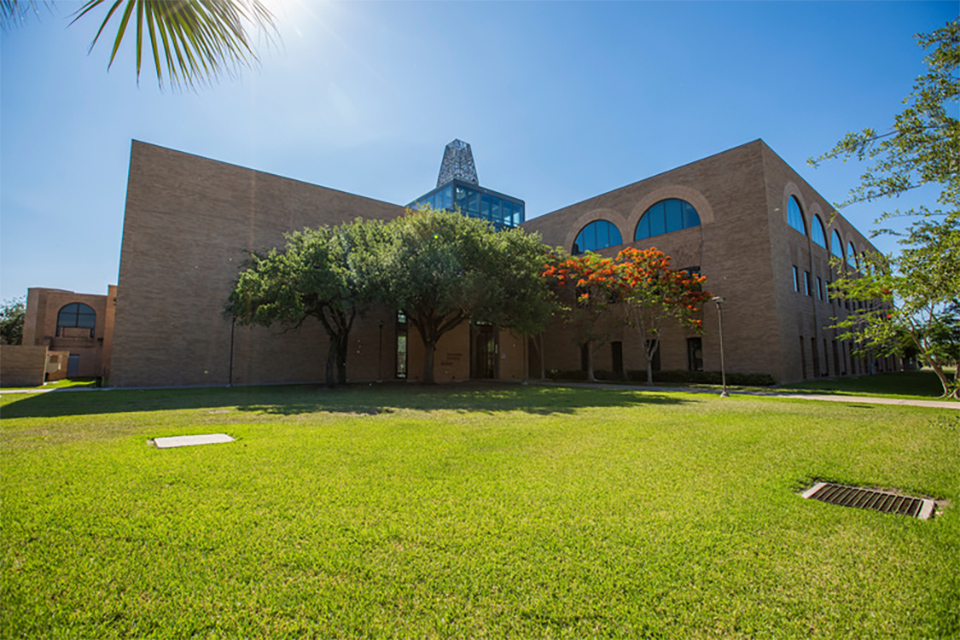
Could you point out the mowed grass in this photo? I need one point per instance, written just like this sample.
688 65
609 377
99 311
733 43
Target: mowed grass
481 512
920 385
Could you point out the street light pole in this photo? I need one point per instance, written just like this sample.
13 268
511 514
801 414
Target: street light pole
723 370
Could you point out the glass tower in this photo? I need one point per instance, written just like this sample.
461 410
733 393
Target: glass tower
459 189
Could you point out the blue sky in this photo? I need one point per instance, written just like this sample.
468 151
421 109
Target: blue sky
560 101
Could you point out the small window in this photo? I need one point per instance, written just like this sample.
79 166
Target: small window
597 235
806 283
819 236
77 315
795 216
852 256
666 216
796 279
819 288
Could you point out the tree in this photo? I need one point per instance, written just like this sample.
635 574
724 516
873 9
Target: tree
442 268
910 295
587 286
910 300
654 293
11 321
195 40
324 273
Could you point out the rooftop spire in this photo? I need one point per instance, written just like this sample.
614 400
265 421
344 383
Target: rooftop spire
457 164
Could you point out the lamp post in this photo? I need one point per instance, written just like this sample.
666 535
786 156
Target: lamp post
723 370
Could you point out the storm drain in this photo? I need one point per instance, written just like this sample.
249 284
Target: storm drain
882 501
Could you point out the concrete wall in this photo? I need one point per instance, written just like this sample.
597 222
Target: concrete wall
22 366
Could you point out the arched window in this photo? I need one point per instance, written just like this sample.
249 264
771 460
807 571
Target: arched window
852 256
819 236
794 216
597 235
666 216
77 315
836 245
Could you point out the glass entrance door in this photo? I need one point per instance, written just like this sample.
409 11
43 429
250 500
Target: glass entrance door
483 364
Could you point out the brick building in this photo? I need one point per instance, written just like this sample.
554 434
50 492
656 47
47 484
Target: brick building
761 236
78 324
743 218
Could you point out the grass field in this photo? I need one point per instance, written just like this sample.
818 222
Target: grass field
907 384
486 512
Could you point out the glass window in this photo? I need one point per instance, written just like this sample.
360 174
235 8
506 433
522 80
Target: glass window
819 288
666 216
852 256
473 202
690 216
485 206
673 211
796 279
597 235
448 198
836 245
77 316
496 209
461 197
794 216
806 283
658 225
818 234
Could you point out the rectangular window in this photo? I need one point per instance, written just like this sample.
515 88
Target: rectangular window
796 279
401 351
819 288
806 283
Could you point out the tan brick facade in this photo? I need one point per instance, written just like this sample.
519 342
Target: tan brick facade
189 220
90 350
745 248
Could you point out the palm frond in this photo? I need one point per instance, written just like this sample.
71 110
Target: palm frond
191 41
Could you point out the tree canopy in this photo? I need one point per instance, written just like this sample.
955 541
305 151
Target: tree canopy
655 293
325 273
11 321
442 268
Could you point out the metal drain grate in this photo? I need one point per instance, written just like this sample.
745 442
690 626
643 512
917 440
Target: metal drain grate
882 501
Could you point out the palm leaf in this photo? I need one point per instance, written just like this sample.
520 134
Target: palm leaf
194 41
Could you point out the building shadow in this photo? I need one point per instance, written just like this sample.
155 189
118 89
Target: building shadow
358 399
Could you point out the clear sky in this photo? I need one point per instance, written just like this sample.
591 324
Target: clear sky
561 101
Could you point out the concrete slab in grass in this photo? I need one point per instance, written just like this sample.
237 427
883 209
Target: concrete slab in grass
190 441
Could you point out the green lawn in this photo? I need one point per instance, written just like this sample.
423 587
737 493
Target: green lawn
922 385
481 512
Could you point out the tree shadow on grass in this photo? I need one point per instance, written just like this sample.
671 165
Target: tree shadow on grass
359 399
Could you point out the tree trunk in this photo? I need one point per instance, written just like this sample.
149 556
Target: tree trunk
429 350
343 343
331 362
649 371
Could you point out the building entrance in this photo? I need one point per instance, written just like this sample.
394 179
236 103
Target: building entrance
483 348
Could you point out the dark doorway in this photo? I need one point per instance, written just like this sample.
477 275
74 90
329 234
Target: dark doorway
695 354
73 365
616 355
484 348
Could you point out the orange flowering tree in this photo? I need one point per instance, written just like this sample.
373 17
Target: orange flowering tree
653 293
587 286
